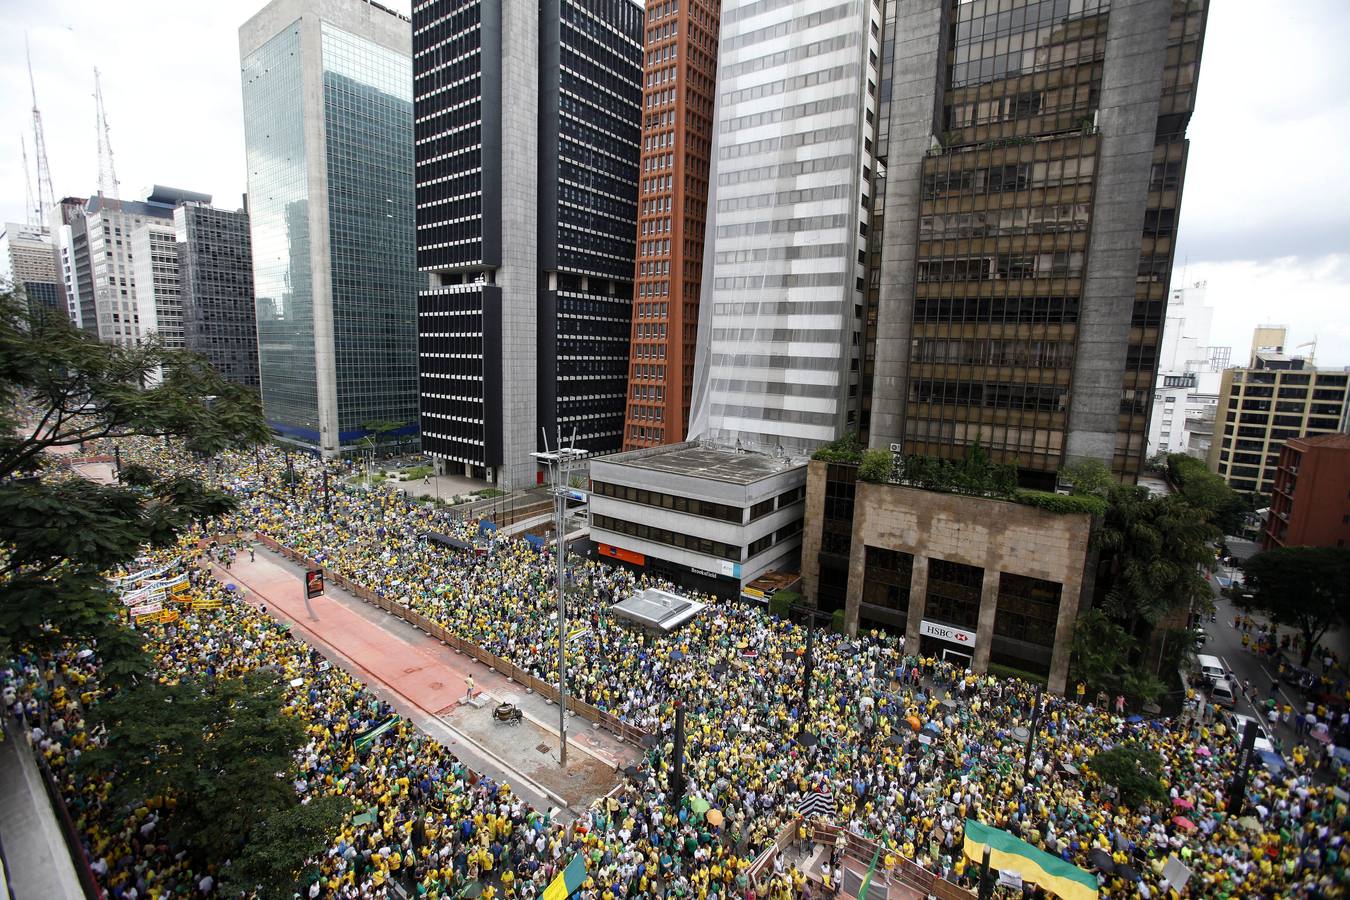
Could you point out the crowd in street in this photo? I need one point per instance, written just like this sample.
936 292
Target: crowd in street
909 746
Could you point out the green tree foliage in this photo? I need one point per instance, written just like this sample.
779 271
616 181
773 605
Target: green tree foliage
61 388
876 466
1155 549
1133 771
274 861
222 749
845 449
1089 477
1206 490
1102 659
1306 588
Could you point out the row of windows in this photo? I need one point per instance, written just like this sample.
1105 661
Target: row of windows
705 546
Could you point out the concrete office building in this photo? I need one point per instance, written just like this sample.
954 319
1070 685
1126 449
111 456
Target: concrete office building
113 303
328 130
1033 180
159 295
707 520
1186 388
215 261
1274 399
1310 506
65 217
780 326
28 263
679 75
528 121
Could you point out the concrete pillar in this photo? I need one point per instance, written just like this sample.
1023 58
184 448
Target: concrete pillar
918 597
984 630
856 562
1064 622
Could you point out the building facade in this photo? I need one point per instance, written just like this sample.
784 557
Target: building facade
159 293
215 263
1310 505
328 126
966 579
28 262
65 216
528 122
679 77
1022 303
1189 369
113 304
1275 399
705 519
781 317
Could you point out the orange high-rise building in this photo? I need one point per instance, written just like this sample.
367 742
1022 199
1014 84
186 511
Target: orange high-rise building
679 76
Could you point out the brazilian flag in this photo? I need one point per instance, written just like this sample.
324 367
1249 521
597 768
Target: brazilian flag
1011 854
569 880
365 739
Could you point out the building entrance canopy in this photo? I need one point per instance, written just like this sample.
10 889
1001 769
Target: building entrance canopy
653 608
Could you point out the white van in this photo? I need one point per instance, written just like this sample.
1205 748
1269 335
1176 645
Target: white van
1211 667
1222 693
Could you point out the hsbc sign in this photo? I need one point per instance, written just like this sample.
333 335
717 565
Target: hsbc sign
947 633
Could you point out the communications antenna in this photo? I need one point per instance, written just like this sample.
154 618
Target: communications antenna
46 196
107 172
33 216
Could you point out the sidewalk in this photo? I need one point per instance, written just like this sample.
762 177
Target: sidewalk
39 863
418 671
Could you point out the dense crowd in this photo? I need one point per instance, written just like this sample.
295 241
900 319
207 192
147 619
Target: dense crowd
738 670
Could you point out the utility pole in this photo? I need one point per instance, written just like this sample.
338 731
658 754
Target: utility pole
677 764
559 464
327 499
1237 790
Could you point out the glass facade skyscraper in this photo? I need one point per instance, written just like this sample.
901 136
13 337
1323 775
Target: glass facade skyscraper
331 209
215 261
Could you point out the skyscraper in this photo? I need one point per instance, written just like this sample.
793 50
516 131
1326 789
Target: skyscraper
780 324
64 217
328 129
527 161
679 75
215 262
159 295
28 261
1034 174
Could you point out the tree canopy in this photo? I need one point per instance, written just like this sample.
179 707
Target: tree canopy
1133 771
1306 588
62 388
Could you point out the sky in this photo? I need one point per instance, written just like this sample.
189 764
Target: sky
1265 220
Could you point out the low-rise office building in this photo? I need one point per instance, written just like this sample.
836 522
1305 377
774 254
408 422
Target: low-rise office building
1310 506
968 579
706 518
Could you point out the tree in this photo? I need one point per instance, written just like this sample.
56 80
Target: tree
876 466
1088 476
1155 549
1133 771
275 860
1103 653
1206 490
60 387
216 747
1305 588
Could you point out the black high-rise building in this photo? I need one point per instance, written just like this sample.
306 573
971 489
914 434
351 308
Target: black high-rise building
215 269
528 121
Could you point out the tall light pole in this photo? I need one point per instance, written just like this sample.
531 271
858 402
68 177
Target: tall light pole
559 464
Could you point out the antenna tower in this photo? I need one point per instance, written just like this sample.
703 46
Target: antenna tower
27 183
46 197
107 172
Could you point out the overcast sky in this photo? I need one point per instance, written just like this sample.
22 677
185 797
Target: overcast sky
1265 222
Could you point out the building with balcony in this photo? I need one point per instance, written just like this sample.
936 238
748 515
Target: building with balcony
1310 504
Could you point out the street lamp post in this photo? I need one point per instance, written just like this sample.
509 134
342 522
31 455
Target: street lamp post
559 464
1031 736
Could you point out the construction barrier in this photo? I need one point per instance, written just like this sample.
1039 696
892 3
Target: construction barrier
549 691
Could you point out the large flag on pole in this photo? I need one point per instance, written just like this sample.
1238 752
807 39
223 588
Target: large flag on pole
871 870
1011 854
568 880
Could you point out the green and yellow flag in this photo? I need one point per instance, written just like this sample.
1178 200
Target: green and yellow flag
867 879
568 880
1010 854
363 740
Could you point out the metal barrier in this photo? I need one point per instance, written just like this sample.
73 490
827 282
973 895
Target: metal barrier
68 830
612 723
